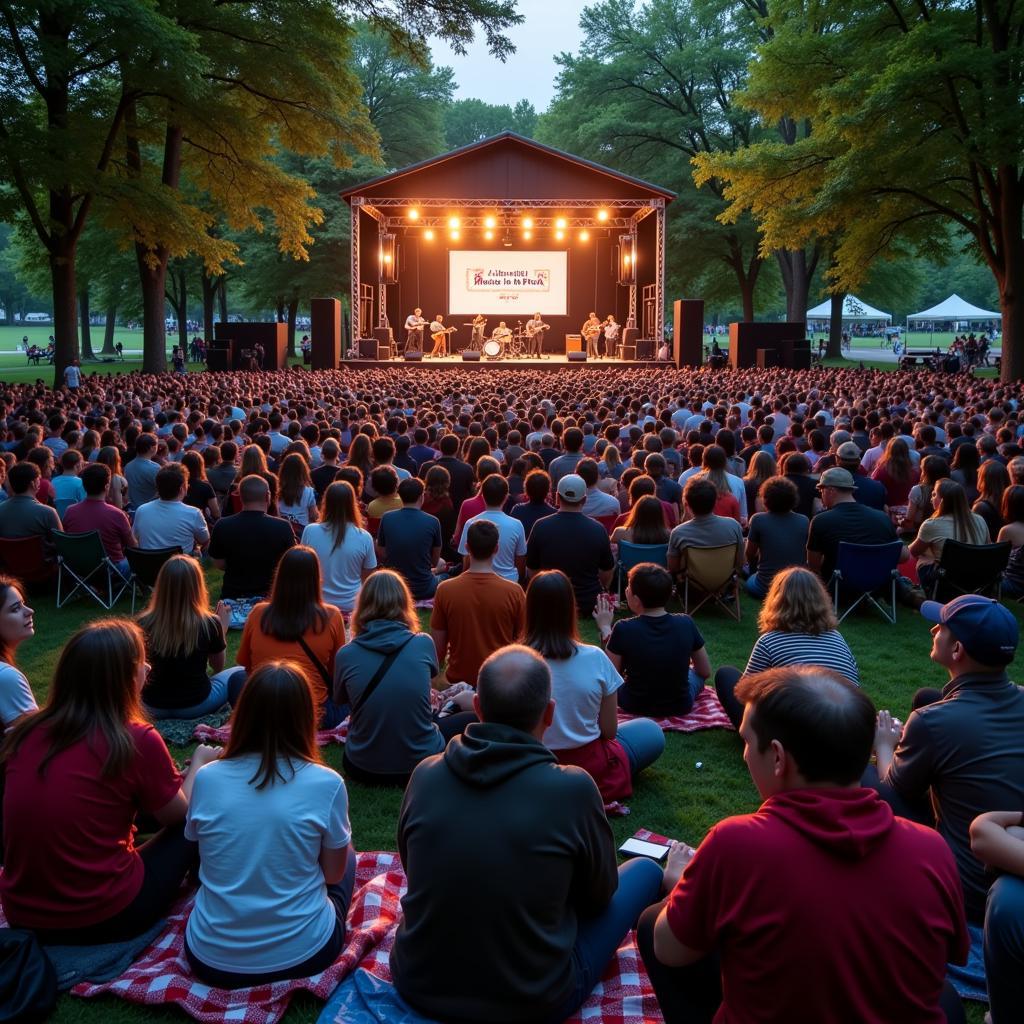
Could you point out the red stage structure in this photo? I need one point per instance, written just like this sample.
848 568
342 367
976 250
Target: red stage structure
508 195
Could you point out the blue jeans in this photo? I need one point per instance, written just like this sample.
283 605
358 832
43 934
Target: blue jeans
643 741
234 680
217 699
755 588
598 938
1004 948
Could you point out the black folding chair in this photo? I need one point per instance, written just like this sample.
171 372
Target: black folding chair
970 569
146 564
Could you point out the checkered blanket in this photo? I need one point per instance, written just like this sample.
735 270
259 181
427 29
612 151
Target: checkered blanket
707 713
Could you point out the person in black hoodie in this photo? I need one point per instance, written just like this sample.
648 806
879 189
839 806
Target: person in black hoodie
511 866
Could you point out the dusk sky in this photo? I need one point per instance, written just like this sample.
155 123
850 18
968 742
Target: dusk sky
550 26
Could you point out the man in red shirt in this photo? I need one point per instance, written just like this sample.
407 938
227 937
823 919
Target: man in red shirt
821 906
95 514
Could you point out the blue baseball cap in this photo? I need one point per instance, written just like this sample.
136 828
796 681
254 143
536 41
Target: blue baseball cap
987 630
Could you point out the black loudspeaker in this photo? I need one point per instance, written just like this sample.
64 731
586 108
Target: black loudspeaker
217 359
576 357
645 348
412 356
367 348
471 355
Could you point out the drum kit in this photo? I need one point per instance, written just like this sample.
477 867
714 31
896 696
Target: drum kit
512 346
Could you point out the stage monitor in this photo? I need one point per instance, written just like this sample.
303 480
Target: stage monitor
505 284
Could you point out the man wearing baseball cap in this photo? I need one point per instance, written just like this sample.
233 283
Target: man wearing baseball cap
869 492
574 543
963 753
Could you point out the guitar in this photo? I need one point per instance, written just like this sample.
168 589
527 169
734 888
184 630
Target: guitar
532 332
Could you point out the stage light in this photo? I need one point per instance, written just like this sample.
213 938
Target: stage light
584 236
559 235
454 235
414 214
602 214
453 223
527 235
560 223
527 223
388 259
627 259
489 235
489 222
429 234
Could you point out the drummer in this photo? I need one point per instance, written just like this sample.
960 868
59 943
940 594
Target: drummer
501 335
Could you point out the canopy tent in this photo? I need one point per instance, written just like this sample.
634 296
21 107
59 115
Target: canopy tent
955 308
853 310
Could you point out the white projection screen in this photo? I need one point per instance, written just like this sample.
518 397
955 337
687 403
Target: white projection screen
500 283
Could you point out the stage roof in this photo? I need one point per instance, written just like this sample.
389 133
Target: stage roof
853 309
509 166
955 308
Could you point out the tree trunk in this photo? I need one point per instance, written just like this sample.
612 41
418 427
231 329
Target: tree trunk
222 296
746 275
83 314
835 327
108 331
153 282
797 271
182 291
209 285
280 305
293 312
1011 281
65 303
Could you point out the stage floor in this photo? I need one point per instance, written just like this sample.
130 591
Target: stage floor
552 362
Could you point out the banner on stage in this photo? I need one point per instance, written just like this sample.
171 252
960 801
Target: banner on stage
507 283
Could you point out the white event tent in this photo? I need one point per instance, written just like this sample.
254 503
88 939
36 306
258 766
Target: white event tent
954 309
853 311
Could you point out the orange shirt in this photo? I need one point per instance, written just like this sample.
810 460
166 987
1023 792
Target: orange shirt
480 612
257 648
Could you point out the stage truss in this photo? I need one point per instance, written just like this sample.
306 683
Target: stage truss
392 215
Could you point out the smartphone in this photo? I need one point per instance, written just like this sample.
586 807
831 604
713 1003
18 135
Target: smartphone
641 848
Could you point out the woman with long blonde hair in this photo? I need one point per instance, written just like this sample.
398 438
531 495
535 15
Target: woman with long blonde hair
117 492
797 626
296 495
385 675
182 638
762 467
952 519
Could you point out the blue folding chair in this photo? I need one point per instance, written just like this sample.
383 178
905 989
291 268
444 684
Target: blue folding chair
865 569
633 554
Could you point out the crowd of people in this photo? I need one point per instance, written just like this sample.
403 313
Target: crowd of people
342 505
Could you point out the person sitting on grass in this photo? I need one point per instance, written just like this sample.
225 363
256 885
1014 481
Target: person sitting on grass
384 675
182 637
777 537
797 626
384 480
277 868
776 914
662 657
17 624
168 522
77 774
644 523
495 823
67 485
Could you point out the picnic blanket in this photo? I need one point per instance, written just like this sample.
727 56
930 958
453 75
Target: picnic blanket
162 973
969 980
707 713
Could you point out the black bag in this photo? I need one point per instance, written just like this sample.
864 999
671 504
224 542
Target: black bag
28 982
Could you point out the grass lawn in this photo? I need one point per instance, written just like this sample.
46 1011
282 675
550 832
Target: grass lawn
674 797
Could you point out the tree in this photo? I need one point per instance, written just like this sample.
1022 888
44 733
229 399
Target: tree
651 88
470 120
918 125
13 293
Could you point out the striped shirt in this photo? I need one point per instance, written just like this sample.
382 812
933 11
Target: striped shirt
829 650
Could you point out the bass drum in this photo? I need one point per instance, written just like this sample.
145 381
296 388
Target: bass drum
492 349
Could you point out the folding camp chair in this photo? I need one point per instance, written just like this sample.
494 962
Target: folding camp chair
82 559
711 572
633 554
865 569
146 564
25 559
970 569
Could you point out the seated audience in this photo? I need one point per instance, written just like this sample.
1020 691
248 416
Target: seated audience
22 515
960 751
140 473
598 503
95 513
919 508
537 488
584 730
344 548
992 482
486 466
182 638
762 468
409 541
496 805
275 846
296 496
67 486
437 502
731 500
837 881
869 491
384 481
897 474
703 528
295 625
478 611
797 626
76 775
223 473
200 493
384 675
17 624
645 523
1013 533
117 493
509 559
168 522
777 537
249 544
661 656
951 519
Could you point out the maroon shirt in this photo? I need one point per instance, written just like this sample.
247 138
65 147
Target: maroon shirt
114 529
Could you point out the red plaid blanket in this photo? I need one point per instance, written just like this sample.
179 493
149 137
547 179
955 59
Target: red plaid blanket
707 713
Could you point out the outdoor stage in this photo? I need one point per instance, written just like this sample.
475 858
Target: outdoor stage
549 364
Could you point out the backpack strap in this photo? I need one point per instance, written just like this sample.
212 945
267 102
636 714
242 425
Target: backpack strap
382 671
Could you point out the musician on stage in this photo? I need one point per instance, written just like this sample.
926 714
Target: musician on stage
414 324
611 335
439 335
477 338
501 335
535 329
591 331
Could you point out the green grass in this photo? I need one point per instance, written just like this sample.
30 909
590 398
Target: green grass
674 797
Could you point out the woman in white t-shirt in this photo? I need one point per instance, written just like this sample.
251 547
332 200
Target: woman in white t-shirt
584 683
952 519
277 867
343 547
296 497
16 624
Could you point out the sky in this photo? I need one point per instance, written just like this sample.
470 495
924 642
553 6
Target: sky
549 27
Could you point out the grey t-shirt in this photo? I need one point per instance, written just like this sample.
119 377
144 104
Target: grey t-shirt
781 541
709 531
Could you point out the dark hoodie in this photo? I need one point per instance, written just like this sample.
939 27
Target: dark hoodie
504 848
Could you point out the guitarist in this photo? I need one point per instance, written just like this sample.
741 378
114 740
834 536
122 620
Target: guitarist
535 329
439 336
591 331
